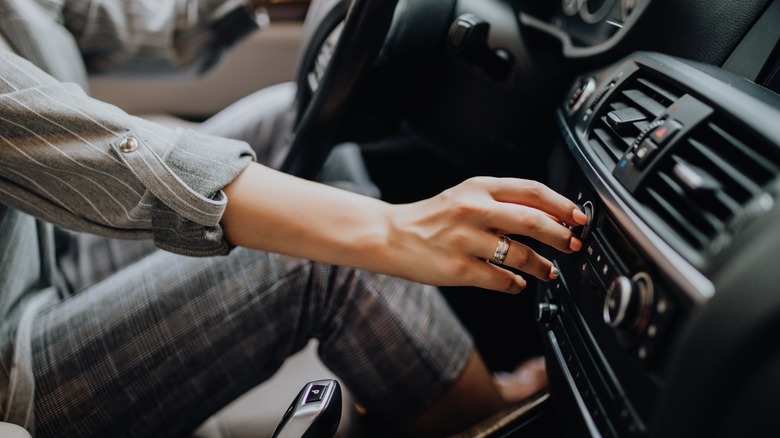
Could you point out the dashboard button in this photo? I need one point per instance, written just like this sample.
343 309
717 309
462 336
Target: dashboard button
644 153
662 134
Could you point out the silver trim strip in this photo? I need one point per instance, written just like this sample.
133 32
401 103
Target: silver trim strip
594 431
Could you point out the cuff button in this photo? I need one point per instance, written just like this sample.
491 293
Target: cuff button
129 144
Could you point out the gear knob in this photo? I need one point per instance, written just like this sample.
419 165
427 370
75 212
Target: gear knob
315 412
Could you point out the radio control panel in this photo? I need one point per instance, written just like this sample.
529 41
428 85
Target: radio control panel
675 287
608 303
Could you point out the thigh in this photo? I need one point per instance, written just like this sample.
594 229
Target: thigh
158 347
85 259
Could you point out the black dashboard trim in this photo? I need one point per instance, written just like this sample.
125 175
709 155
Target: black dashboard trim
734 97
696 286
654 368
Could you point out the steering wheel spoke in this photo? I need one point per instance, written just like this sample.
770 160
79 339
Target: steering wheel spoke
337 83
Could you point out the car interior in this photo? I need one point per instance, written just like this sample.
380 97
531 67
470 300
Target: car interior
659 118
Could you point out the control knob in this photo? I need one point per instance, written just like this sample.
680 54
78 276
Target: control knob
589 211
545 312
628 303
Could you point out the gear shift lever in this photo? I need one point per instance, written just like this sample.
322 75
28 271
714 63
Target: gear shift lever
315 412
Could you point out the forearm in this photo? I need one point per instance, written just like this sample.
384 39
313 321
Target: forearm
276 212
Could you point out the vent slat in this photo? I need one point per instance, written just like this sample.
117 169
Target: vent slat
645 102
718 163
729 203
667 95
705 186
695 208
640 126
718 203
759 160
607 140
687 231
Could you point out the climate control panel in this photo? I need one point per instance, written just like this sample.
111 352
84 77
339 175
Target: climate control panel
608 303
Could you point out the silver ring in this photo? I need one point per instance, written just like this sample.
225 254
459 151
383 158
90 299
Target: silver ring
501 250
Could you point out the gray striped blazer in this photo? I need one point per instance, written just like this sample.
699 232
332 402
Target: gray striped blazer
84 165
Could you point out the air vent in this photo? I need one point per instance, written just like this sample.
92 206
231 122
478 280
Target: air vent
711 185
626 114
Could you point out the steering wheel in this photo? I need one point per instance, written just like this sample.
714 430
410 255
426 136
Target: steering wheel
364 31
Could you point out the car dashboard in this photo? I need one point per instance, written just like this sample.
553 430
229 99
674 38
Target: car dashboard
587 27
665 323
661 118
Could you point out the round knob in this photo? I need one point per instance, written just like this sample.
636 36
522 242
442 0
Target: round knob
546 312
628 302
589 211
616 303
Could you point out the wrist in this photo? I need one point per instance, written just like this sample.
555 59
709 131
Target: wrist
401 241
366 236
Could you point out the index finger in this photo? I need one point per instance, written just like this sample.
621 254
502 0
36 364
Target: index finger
537 195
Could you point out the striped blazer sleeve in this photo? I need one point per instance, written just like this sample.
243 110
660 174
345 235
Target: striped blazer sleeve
86 165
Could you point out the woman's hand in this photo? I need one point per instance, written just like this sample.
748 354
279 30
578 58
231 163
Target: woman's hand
448 239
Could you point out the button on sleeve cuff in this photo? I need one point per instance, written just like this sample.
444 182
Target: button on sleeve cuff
186 184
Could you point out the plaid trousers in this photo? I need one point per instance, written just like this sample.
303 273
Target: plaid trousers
156 347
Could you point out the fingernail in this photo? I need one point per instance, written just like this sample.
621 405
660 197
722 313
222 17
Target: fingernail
575 244
554 273
579 216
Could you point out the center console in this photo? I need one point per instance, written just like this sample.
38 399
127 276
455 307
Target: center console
677 166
